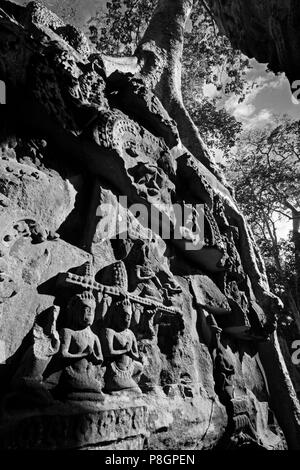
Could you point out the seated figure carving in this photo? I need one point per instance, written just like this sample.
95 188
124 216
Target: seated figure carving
81 349
120 349
28 379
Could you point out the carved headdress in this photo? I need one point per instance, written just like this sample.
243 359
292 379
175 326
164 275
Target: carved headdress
85 298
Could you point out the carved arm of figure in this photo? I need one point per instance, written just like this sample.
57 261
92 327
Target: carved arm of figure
97 355
134 352
110 347
214 310
224 364
144 277
55 340
141 276
158 283
66 337
213 324
223 377
105 302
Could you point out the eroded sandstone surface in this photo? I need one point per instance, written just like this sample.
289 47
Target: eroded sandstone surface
129 342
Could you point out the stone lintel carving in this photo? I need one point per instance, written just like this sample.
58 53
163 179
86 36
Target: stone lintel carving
71 280
65 427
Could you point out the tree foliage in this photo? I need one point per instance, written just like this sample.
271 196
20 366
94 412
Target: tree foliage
213 61
119 28
266 176
211 57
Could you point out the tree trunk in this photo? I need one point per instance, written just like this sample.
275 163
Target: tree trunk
291 302
160 53
283 398
293 308
159 56
296 240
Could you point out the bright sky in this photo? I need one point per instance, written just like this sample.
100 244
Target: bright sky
273 96
2 92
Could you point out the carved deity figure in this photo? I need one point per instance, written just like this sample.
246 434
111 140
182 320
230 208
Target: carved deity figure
223 368
124 365
144 281
152 181
29 376
133 274
80 347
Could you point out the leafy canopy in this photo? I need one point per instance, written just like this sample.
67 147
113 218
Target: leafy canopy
266 176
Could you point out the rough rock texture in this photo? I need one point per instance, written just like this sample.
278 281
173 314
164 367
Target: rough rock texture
267 30
155 338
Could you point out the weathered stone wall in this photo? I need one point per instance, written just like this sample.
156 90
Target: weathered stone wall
83 316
